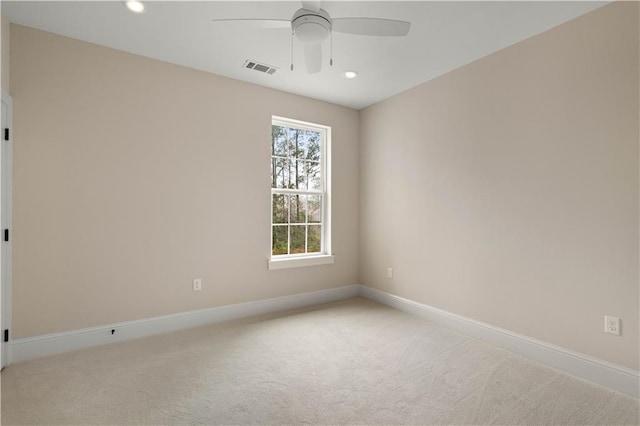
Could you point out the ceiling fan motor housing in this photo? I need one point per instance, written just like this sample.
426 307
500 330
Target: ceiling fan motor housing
310 26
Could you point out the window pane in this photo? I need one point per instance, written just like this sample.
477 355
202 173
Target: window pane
279 244
312 151
298 208
313 239
278 141
298 239
297 143
314 208
314 177
291 175
279 172
280 208
298 174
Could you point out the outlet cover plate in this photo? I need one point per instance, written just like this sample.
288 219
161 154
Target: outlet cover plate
612 325
197 284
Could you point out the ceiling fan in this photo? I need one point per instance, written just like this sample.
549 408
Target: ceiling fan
312 25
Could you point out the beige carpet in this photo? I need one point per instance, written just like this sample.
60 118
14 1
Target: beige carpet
354 362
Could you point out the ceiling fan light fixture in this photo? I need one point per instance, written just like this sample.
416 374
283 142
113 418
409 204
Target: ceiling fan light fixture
135 6
310 26
311 33
350 74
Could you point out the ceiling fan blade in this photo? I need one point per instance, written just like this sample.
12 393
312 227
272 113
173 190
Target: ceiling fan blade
313 57
311 5
371 26
260 23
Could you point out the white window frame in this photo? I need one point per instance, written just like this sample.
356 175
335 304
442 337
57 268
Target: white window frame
325 256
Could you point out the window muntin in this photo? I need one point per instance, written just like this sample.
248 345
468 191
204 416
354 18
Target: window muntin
299 213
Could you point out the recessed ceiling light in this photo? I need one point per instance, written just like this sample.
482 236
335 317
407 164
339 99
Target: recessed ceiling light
135 6
351 74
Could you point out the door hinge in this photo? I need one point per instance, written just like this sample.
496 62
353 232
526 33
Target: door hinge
6 235
6 133
6 335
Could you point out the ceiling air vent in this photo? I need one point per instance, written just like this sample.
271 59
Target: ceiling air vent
257 66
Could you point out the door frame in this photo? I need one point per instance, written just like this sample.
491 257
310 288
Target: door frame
6 207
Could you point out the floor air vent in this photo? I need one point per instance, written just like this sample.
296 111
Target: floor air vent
257 66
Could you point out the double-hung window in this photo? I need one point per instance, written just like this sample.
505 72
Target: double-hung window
300 222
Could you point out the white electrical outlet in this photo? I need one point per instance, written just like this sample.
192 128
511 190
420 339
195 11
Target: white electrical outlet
389 272
612 325
197 284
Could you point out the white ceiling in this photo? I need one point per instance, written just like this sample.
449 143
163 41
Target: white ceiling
443 36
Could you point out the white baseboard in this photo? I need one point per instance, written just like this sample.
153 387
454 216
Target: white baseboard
606 374
50 344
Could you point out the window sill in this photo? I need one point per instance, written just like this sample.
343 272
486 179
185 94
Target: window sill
297 262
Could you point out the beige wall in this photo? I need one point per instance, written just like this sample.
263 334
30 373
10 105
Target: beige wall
133 176
4 58
507 191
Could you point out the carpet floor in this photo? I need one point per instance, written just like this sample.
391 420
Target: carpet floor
350 362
